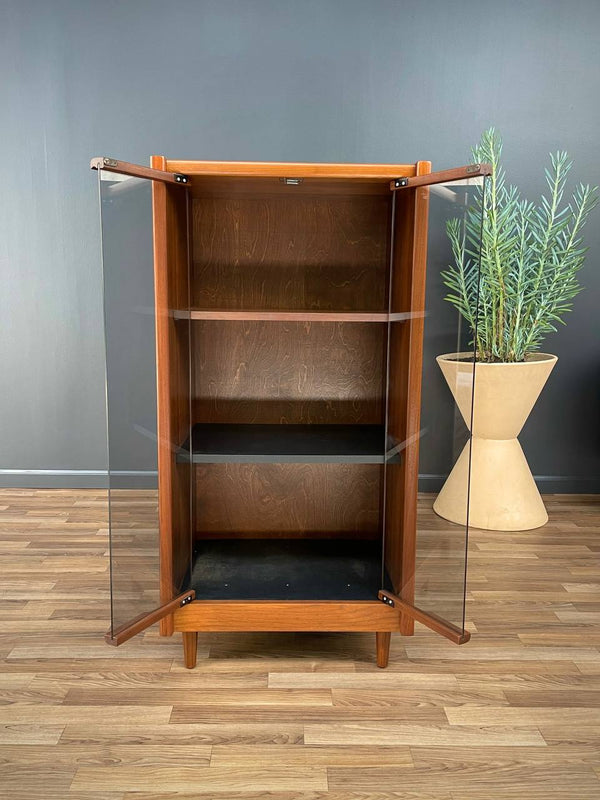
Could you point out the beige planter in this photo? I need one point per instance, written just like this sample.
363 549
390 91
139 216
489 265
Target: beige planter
503 494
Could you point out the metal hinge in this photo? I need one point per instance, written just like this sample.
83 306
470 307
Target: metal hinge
385 599
187 600
103 161
399 182
473 168
179 178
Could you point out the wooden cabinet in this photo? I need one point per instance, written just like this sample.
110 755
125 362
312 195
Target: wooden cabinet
265 329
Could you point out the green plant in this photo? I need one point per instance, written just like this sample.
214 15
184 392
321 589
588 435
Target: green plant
530 257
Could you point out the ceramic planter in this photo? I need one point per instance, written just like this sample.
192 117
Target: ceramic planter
503 494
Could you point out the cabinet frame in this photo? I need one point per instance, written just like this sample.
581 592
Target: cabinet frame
389 611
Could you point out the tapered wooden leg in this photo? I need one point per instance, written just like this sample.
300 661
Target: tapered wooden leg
383 639
165 626
407 625
190 648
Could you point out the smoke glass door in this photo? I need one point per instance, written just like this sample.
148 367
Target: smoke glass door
131 388
434 429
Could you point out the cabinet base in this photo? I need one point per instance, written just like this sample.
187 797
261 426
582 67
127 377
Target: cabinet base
291 615
286 615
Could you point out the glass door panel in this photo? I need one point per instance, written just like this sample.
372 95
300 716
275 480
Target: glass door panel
448 383
131 388
428 572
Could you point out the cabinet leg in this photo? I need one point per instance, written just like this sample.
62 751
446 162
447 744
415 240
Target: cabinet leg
165 626
407 625
383 639
190 648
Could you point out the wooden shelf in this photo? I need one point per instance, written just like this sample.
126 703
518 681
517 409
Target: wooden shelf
292 316
214 443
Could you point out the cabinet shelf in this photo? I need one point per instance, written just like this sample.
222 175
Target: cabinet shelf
216 443
286 569
291 316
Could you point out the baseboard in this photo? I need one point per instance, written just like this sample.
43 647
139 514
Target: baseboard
141 479
547 484
568 484
77 479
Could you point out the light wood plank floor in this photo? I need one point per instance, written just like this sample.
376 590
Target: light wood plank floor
513 714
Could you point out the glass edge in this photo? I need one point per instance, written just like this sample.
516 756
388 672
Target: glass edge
484 185
106 408
386 465
190 379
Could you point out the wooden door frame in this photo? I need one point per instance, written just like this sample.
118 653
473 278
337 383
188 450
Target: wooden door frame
170 211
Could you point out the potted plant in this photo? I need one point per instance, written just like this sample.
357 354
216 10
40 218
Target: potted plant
529 263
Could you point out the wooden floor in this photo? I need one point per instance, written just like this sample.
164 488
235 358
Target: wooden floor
513 714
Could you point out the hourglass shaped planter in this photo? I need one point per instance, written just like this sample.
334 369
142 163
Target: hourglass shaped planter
503 494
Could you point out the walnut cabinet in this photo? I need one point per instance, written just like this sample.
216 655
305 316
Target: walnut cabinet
276 418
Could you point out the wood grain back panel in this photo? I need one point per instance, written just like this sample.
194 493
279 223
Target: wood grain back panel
272 372
291 252
288 500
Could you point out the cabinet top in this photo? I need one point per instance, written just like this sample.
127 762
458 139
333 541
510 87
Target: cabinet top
293 169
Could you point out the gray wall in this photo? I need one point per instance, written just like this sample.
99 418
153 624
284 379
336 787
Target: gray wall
306 80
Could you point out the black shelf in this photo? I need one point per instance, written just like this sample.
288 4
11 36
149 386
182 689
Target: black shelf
287 569
301 444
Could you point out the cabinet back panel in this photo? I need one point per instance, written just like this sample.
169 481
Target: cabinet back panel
289 252
288 500
288 372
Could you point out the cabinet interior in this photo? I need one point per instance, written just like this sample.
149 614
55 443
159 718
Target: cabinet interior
293 504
